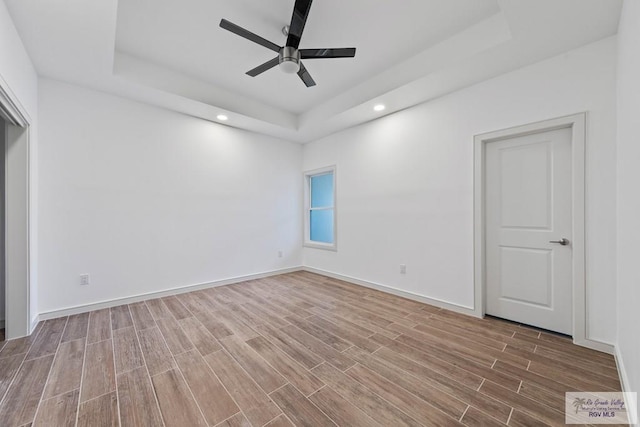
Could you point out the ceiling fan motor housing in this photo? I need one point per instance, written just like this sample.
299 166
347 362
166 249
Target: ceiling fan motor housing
289 59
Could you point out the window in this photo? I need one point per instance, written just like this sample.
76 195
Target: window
320 215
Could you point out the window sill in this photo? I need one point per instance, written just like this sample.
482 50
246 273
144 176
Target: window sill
323 246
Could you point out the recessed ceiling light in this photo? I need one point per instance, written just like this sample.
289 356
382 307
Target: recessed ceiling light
223 117
379 107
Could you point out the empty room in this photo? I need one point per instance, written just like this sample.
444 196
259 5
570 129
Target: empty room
319 213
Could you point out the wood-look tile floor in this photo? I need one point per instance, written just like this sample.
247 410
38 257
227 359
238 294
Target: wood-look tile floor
296 349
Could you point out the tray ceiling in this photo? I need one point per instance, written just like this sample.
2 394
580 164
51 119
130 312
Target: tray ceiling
172 53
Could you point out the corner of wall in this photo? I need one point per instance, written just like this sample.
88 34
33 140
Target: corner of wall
628 201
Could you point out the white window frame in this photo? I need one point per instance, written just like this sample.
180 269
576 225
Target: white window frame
307 209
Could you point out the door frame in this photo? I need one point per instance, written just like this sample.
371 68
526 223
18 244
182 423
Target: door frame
17 158
577 124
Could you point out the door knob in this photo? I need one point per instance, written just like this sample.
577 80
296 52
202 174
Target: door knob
563 241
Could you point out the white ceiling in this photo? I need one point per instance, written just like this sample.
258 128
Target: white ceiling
172 53
184 36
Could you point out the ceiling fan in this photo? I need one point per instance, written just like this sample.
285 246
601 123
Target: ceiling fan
289 56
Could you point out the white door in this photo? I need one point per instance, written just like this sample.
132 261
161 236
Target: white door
528 229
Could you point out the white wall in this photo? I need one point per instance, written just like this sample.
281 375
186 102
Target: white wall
2 220
145 200
405 181
628 193
18 76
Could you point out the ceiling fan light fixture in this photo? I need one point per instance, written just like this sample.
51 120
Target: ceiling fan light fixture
290 67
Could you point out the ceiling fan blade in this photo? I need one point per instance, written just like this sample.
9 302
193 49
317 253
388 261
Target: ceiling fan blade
264 67
345 52
298 21
305 76
236 29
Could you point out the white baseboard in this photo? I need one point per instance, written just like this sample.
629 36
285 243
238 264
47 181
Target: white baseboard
595 345
391 290
141 297
632 406
34 323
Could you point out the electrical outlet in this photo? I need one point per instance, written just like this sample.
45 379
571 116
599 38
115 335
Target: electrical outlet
84 279
403 269
279 254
